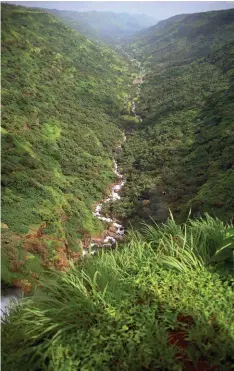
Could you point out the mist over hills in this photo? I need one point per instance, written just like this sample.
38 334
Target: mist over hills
105 26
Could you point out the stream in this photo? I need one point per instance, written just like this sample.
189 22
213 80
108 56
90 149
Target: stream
115 231
114 234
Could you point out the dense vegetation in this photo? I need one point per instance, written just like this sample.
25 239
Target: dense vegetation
106 27
164 299
162 302
182 154
61 98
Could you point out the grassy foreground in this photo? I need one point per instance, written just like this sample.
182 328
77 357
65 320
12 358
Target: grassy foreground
162 302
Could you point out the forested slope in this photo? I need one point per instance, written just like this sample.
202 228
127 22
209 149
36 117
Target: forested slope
61 97
182 154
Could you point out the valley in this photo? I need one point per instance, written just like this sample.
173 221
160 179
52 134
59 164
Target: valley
179 152
117 191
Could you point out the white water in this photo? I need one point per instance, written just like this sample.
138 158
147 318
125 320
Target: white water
109 241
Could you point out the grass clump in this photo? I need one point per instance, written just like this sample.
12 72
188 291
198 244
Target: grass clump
131 309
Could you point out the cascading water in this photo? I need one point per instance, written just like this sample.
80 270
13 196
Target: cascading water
109 241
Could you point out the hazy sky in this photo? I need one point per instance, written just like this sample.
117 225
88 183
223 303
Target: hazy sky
157 9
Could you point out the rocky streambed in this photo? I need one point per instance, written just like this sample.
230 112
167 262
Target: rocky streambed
115 231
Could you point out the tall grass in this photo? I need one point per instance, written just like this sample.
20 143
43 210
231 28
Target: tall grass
193 245
115 311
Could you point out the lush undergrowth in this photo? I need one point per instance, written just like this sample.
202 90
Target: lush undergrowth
162 302
61 99
185 144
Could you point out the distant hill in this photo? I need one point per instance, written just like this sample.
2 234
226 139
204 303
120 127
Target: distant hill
104 26
185 36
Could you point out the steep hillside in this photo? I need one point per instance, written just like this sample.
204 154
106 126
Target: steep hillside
104 26
182 154
61 97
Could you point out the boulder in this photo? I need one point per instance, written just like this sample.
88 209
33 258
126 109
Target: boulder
111 234
113 229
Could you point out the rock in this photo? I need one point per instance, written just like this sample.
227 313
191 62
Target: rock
109 239
113 229
120 231
111 234
107 245
98 240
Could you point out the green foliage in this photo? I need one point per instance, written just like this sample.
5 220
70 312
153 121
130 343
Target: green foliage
118 310
194 245
185 145
61 99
